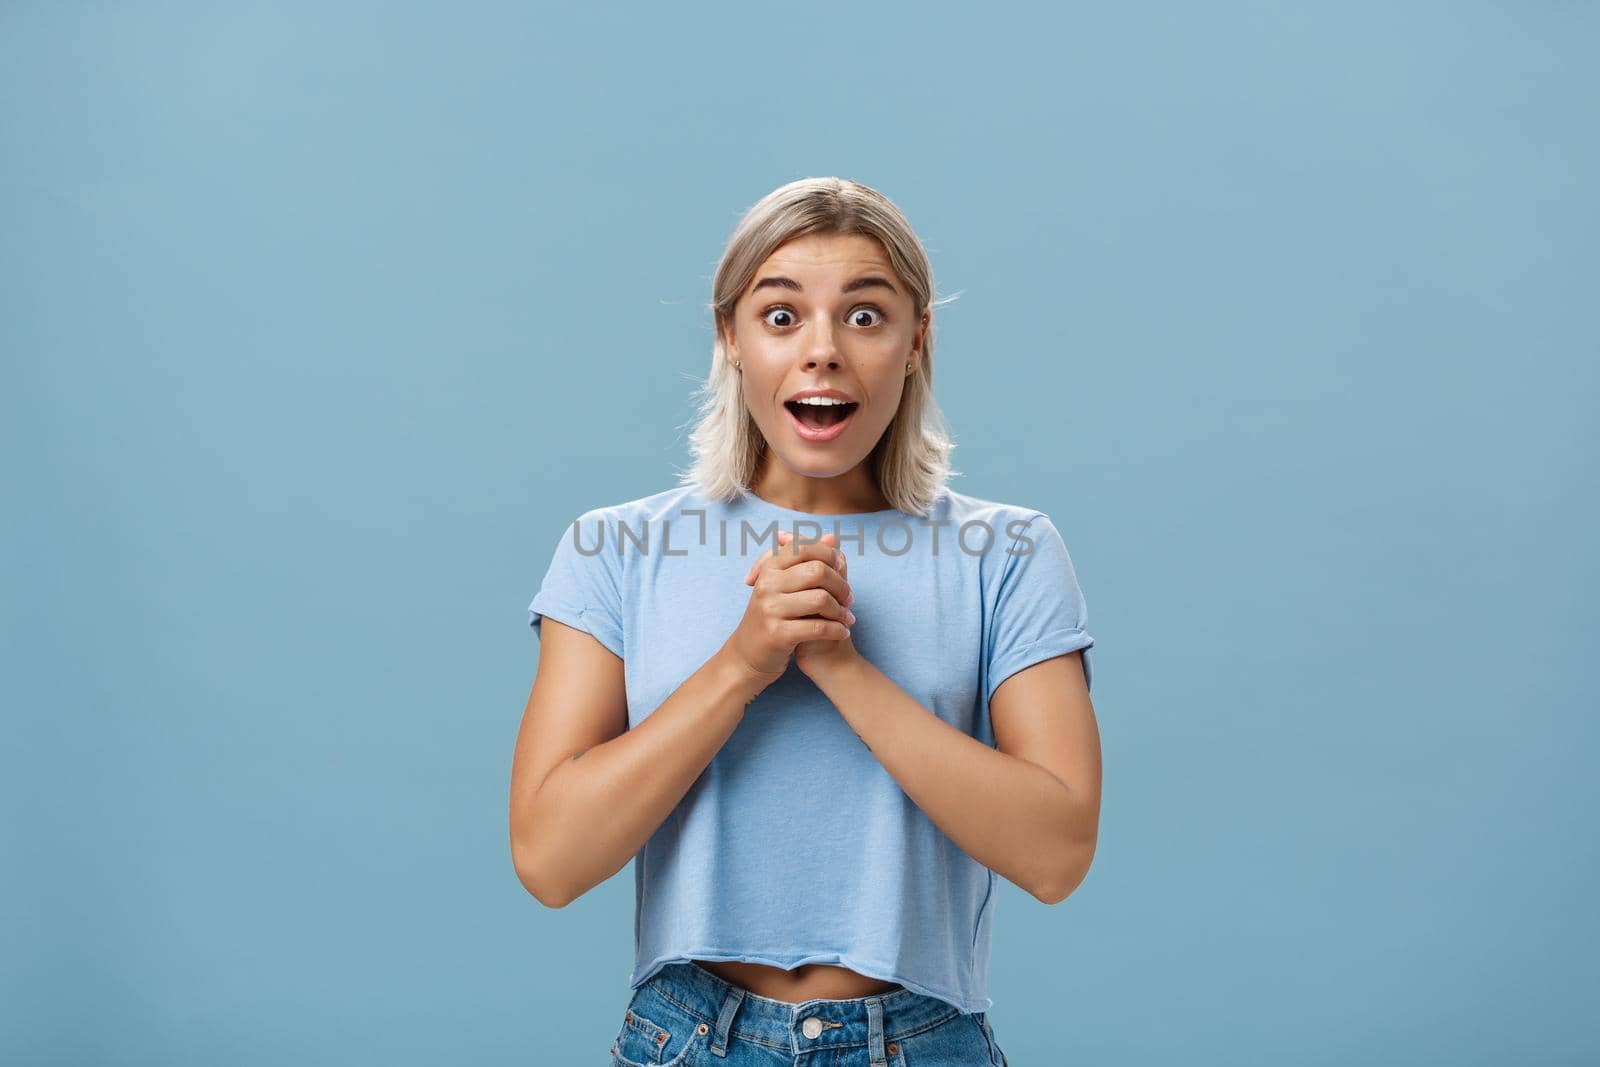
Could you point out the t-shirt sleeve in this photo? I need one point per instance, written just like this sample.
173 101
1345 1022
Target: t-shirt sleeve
1039 609
580 587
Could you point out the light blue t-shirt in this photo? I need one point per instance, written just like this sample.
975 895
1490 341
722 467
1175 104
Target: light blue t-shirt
795 845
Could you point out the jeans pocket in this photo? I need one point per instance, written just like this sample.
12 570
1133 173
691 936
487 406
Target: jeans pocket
958 1037
665 1037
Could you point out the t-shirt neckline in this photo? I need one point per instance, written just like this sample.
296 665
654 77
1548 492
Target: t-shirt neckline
761 504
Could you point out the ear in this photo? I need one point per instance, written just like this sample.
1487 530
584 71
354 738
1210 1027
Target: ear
916 345
726 329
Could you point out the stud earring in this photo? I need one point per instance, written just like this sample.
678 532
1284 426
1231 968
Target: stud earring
737 364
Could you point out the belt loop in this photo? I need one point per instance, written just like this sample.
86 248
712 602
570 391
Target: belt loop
875 1032
730 1007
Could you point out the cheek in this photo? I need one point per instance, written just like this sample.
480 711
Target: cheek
887 390
761 377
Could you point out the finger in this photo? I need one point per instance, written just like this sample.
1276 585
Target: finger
838 553
798 631
782 556
816 602
750 575
799 579
831 540
841 561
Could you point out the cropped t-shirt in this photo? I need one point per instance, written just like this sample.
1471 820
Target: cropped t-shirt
795 845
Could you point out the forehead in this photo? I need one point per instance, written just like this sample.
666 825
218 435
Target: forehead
817 253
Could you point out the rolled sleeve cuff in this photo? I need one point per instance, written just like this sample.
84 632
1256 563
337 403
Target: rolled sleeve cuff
1055 643
592 623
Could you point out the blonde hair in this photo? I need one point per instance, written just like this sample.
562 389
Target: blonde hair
911 461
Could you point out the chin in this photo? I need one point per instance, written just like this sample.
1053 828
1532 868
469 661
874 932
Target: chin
820 466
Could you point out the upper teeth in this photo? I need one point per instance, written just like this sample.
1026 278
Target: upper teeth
820 401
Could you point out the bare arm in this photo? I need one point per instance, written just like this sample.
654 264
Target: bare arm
1029 810
586 791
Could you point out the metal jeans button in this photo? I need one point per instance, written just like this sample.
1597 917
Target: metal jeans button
811 1027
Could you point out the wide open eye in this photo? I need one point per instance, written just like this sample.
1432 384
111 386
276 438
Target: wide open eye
865 309
767 316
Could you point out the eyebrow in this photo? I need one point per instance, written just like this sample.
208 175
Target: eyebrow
867 281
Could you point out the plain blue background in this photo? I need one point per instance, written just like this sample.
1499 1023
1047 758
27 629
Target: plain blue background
320 322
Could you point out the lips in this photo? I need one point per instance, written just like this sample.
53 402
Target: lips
816 424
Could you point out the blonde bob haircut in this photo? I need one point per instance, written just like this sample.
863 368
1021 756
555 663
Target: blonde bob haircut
911 461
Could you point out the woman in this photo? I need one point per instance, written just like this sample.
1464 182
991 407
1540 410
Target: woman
816 695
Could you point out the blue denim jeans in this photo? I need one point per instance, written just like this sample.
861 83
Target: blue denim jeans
685 1016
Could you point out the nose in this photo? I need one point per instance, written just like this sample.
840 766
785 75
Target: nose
823 351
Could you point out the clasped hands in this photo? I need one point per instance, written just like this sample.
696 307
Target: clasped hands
799 606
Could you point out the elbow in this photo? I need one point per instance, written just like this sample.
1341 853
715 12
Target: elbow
544 893
1068 877
1053 894
1057 891
540 887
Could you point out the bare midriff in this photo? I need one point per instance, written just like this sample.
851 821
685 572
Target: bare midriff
805 982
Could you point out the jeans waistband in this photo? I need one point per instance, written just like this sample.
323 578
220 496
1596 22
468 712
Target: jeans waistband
798 1026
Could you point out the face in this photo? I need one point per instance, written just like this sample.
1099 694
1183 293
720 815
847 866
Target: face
825 312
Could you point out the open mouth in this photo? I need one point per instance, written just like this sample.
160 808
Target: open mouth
820 422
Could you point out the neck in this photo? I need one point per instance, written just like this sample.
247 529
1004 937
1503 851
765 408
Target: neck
844 494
